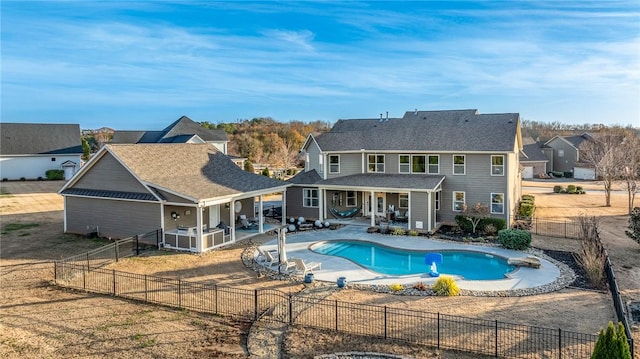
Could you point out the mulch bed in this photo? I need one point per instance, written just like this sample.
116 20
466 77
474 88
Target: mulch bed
581 276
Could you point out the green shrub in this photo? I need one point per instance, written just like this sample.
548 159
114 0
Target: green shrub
528 198
446 286
463 223
557 189
490 230
514 239
612 343
498 223
571 189
397 231
55 174
568 174
396 287
563 191
22 179
413 232
526 210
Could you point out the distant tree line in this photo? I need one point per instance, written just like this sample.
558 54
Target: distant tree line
544 131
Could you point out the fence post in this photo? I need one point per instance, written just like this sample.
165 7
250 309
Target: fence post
559 343
255 304
385 322
496 354
55 272
438 346
87 260
114 282
565 229
290 310
146 299
336 301
137 245
84 279
117 250
215 293
179 293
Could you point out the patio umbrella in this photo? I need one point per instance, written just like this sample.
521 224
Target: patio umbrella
282 252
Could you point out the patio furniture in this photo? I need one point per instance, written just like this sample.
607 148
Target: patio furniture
344 214
303 267
401 217
268 257
245 224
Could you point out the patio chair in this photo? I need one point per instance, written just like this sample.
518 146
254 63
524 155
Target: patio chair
303 267
245 224
268 257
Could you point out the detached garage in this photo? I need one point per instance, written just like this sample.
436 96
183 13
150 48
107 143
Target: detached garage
584 173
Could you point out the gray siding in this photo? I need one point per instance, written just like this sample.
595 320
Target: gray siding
115 219
185 220
418 212
350 164
568 161
314 159
109 175
173 198
477 183
294 204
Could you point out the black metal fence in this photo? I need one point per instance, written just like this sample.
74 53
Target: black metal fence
560 229
487 337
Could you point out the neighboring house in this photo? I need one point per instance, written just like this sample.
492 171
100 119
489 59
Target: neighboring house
533 160
427 165
183 130
565 155
29 150
186 190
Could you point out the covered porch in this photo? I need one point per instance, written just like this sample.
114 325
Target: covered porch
211 224
405 201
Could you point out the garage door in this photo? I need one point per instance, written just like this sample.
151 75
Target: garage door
527 172
584 173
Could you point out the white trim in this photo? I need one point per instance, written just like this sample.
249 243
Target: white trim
453 165
492 165
438 156
375 163
453 200
491 203
329 160
304 197
400 163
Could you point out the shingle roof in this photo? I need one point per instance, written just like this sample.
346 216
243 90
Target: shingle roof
179 131
457 130
197 171
305 177
382 180
576 141
38 138
533 153
109 194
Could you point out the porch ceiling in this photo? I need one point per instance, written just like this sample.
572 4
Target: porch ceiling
373 181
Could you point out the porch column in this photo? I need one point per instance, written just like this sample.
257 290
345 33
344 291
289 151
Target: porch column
284 207
322 194
429 214
409 210
260 222
372 211
199 239
232 219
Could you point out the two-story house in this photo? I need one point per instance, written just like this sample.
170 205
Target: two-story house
426 165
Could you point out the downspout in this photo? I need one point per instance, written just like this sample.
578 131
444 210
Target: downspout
199 237
430 216
372 212
232 219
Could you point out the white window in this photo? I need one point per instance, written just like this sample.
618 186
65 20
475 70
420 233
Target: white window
497 203
310 197
458 201
497 165
334 164
351 199
321 163
560 153
437 201
458 164
404 200
376 163
405 164
434 164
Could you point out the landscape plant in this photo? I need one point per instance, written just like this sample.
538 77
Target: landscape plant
446 286
397 231
396 287
476 214
557 189
517 239
54 174
612 343
421 286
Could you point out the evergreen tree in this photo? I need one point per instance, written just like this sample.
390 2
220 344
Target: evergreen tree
634 225
265 172
612 344
86 149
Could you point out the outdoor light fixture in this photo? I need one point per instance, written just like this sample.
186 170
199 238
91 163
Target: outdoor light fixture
175 215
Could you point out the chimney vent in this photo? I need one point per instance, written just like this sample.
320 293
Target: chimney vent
381 118
387 115
415 112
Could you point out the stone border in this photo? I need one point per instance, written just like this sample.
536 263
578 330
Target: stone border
359 355
567 276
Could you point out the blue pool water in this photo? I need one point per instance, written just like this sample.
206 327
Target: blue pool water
395 261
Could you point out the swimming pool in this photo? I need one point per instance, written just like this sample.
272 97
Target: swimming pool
382 259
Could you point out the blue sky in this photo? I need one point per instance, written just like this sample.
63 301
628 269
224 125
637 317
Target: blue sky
143 64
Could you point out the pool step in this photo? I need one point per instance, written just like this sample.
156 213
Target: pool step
336 248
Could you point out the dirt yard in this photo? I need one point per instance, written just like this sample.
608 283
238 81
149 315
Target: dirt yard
39 320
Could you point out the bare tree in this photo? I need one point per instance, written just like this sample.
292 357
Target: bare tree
631 171
605 155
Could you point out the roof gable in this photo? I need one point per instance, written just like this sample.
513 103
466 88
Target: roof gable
37 138
182 130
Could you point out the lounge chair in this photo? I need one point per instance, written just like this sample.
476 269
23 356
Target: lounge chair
267 257
246 224
303 267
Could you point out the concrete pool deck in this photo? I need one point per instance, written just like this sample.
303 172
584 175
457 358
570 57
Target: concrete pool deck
297 246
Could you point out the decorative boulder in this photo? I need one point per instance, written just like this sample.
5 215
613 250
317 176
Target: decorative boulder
528 261
292 220
326 224
301 220
318 223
